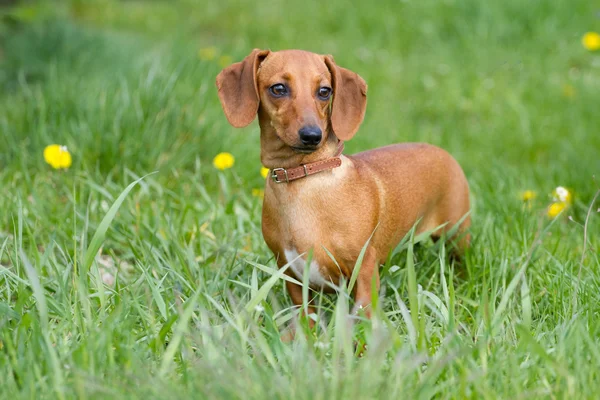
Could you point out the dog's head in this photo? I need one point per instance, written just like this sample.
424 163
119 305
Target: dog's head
304 96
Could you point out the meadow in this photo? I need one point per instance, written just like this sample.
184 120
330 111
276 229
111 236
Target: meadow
140 271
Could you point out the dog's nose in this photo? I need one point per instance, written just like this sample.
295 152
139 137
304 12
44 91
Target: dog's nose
310 135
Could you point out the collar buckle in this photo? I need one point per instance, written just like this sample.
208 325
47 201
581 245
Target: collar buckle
276 178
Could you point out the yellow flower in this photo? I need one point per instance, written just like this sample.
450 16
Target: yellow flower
248 245
264 172
528 195
224 61
207 53
568 91
591 41
561 194
555 209
223 161
57 156
258 193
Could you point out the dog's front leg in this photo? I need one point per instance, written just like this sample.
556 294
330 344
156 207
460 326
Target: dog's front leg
295 292
369 271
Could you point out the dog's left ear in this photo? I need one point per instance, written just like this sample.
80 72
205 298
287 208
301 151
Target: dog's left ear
238 89
349 100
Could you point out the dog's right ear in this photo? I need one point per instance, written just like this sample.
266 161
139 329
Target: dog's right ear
238 90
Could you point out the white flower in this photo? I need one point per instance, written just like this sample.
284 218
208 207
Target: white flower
321 345
562 194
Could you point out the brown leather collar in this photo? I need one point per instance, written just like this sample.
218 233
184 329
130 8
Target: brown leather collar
283 175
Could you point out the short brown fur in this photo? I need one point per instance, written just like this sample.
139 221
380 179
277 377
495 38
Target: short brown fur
383 192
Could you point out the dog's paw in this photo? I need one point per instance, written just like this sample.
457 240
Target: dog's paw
288 335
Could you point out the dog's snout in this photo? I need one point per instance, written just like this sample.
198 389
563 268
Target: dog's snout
310 135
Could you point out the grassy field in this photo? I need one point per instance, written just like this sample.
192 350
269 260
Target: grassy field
165 289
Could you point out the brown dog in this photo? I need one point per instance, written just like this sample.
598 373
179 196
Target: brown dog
306 106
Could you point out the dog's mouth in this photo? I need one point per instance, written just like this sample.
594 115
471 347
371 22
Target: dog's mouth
304 149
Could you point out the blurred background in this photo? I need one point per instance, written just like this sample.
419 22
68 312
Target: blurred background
132 82
507 87
510 88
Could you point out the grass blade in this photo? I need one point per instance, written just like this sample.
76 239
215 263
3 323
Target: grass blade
180 329
413 298
100 233
359 261
262 293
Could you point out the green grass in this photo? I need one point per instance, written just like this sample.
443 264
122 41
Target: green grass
183 298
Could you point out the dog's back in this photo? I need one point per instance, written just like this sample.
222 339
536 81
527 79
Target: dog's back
419 181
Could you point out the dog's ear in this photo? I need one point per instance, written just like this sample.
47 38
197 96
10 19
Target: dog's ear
238 90
349 100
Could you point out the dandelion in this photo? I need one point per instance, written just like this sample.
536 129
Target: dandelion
555 209
260 193
57 156
223 161
561 194
207 53
562 199
224 61
591 41
248 245
528 195
264 172
568 91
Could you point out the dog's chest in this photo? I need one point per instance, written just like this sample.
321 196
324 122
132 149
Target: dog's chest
299 264
315 213
304 211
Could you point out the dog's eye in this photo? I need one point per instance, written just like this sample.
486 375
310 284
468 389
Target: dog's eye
278 90
324 93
